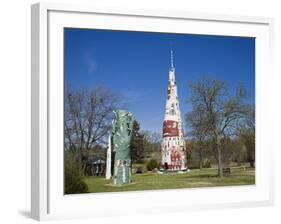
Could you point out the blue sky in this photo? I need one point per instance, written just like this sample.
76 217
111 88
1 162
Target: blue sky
136 64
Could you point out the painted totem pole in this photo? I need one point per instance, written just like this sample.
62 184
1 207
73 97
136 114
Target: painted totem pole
121 136
173 150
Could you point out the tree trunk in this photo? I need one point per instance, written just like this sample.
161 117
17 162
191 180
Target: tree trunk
201 159
201 164
79 161
220 165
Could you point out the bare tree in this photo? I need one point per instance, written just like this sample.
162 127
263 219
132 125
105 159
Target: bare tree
152 137
87 119
217 114
152 142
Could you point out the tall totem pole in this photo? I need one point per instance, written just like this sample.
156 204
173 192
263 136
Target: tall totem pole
173 150
122 129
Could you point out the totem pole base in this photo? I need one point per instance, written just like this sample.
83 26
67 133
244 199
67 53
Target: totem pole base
122 172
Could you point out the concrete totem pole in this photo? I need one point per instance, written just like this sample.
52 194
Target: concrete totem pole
173 145
121 136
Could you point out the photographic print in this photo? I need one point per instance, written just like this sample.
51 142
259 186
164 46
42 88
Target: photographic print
154 111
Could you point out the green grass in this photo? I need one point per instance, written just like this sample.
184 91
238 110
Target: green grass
195 178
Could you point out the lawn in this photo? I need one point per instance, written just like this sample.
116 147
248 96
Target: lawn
192 179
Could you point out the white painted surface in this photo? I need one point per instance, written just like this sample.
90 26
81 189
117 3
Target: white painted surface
108 159
15 112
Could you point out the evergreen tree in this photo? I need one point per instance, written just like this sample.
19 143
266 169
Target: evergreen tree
137 145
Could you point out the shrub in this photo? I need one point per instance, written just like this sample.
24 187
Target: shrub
73 182
152 164
139 169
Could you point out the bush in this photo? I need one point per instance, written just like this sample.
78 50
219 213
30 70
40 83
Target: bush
139 169
73 182
152 164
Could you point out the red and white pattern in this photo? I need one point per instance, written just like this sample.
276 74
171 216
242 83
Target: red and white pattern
173 145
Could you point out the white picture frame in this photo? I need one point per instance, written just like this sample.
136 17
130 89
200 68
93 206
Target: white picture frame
48 201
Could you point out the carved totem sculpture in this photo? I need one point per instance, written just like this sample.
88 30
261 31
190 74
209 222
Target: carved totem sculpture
121 136
173 144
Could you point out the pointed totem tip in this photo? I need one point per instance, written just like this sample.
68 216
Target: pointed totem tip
172 59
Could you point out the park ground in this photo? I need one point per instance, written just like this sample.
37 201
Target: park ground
195 178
